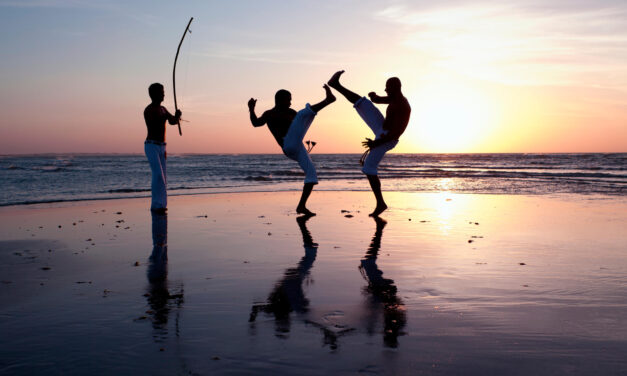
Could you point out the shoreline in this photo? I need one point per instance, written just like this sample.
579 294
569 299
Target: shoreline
237 283
278 153
564 195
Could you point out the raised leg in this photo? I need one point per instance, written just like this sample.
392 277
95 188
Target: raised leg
330 98
375 184
334 82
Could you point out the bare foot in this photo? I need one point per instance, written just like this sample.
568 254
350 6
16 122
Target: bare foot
378 210
334 81
305 211
330 97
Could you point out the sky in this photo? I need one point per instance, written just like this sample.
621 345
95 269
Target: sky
518 76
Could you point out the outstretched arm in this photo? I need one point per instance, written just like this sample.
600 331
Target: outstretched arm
377 99
257 122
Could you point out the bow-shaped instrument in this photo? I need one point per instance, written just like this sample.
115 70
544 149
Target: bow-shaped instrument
174 71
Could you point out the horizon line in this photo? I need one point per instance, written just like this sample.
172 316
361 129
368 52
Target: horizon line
425 153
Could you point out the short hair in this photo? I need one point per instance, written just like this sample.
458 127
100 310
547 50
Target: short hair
282 94
395 82
155 89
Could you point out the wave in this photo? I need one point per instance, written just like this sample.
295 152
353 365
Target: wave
492 167
49 168
128 190
258 178
286 172
171 189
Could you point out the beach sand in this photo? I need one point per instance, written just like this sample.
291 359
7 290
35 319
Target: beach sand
236 284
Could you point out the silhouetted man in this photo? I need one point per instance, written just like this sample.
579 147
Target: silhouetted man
289 128
155 116
386 130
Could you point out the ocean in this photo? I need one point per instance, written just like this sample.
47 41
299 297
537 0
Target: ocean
75 177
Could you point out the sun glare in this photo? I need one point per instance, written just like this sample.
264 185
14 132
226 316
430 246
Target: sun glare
449 117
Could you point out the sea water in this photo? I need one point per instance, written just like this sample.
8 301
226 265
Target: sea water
75 177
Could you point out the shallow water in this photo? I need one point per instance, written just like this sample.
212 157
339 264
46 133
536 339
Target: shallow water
451 284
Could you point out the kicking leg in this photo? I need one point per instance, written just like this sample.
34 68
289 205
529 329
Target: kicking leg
334 82
375 184
330 98
301 208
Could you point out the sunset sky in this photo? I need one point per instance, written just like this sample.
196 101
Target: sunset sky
521 76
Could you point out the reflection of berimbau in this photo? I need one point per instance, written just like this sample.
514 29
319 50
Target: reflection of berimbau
381 293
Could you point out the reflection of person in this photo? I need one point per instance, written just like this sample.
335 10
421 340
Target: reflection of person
158 293
155 116
387 130
289 128
288 295
382 292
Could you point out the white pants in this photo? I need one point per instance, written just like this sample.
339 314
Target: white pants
374 119
156 158
293 146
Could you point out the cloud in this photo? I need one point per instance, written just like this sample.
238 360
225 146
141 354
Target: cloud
526 43
274 55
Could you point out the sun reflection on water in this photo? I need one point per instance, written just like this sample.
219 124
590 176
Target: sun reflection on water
443 204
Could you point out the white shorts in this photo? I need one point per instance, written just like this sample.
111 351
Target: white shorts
293 146
374 119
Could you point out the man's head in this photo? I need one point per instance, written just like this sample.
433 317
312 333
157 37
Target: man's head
393 86
156 92
283 99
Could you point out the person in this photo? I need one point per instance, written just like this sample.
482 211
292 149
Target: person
155 116
387 130
289 128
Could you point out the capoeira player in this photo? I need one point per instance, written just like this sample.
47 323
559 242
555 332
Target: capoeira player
289 128
155 116
386 130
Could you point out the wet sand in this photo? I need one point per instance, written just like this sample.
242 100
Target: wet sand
238 284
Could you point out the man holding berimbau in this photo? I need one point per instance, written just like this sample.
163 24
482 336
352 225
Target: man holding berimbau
155 116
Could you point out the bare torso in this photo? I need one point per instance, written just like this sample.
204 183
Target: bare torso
279 121
397 116
155 117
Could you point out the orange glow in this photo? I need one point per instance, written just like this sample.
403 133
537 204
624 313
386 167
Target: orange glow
481 78
450 117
